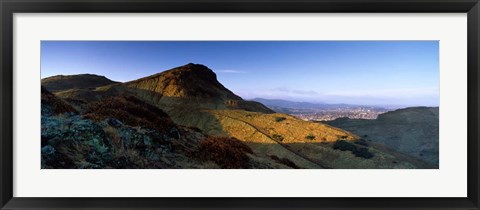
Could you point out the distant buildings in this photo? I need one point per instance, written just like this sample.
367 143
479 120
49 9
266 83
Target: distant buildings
332 114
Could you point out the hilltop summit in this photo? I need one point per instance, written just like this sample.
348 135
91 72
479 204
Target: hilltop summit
188 81
193 85
80 81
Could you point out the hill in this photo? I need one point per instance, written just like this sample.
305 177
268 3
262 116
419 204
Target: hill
193 97
288 104
203 123
193 85
53 105
118 132
81 81
413 131
307 144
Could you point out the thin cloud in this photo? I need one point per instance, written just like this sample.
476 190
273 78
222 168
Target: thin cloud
231 71
390 93
406 96
284 90
281 93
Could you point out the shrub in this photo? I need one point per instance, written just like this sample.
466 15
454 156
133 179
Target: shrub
224 151
117 141
363 152
347 146
310 137
280 119
277 137
362 142
344 146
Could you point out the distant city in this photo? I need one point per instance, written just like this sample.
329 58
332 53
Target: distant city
325 112
332 114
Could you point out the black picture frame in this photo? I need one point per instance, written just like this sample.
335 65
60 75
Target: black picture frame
9 7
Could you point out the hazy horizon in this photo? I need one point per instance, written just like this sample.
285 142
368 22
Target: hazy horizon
404 73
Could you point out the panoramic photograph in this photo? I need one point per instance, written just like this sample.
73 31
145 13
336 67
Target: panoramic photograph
240 105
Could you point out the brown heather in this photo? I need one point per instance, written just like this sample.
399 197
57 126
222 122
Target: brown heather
58 105
130 111
225 152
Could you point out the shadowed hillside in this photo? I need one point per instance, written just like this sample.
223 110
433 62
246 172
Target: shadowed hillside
413 131
81 81
53 105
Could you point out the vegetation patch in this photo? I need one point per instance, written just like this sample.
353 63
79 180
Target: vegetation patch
224 151
357 151
280 119
57 105
130 111
310 137
277 137
362 142
363 152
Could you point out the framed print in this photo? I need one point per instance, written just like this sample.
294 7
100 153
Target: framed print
239 105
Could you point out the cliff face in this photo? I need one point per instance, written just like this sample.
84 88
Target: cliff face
413 131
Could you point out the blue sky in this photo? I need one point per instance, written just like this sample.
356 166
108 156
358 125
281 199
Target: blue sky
353 72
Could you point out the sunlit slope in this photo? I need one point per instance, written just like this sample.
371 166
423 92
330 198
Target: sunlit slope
285 136
191 84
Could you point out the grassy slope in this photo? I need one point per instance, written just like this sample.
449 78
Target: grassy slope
412 131
258 129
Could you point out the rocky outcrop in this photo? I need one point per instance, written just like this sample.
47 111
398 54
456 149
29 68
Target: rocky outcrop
118 132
